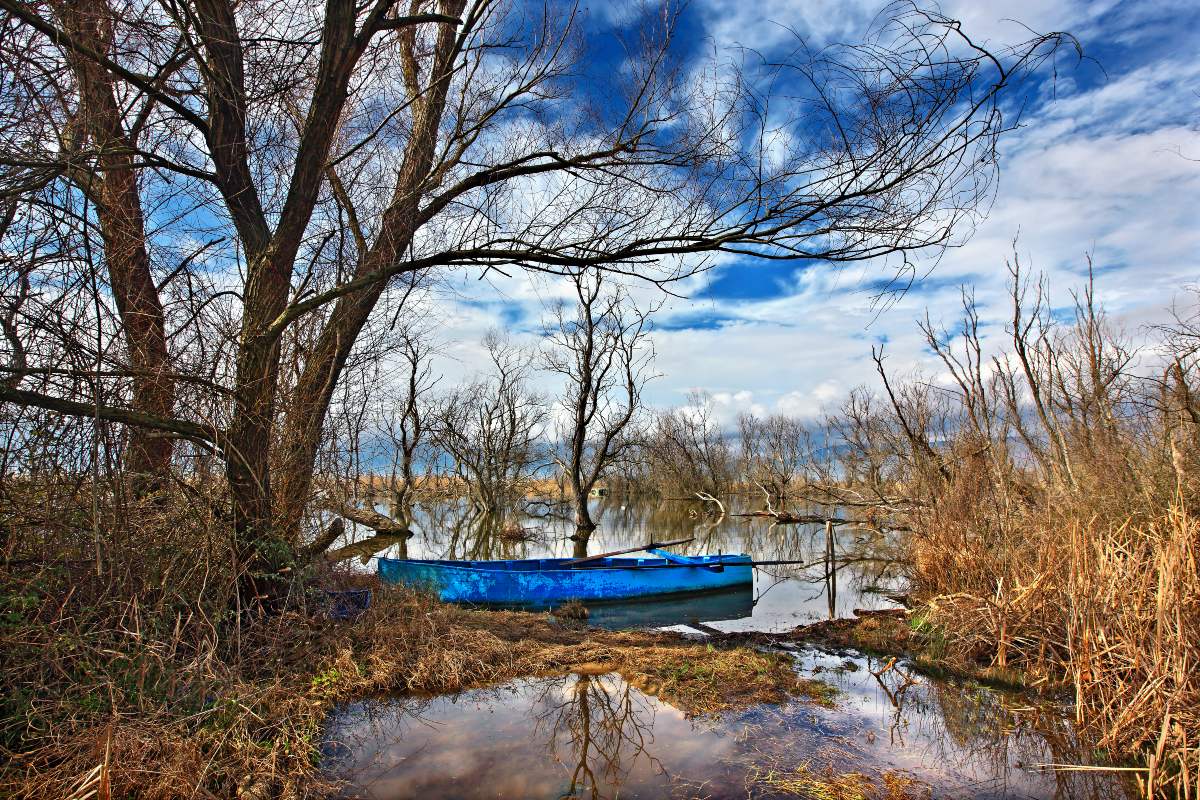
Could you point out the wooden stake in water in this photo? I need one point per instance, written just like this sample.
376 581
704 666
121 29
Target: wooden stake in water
830 570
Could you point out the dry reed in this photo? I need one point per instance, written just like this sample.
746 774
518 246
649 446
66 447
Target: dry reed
1053 496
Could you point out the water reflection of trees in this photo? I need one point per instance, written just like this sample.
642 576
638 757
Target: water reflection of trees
970 740
986 740
598 727
859 559
461 531
359 745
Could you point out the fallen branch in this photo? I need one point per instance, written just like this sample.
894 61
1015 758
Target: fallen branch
380 523
787 518
708 498
365 548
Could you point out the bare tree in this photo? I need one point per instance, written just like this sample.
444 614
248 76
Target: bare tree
1179 405
1033 349
860 427
1069 393
775 450
600 729
404 426
492 430
689 454
601 349
966 365
302 160
375 435
97 132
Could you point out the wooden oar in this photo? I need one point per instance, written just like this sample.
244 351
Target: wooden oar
637 549
715 566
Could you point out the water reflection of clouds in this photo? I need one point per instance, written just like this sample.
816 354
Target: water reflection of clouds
575 736
598 737
962 737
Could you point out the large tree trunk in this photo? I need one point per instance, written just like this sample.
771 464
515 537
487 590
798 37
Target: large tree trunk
259 547
314 390
583 516
122 227
262 551
579 548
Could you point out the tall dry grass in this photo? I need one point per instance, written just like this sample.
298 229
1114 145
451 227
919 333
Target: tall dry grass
1052 493
136 676
1109 609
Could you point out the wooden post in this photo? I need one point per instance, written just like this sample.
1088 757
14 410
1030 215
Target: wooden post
830 569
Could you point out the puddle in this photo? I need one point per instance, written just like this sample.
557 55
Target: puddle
580 736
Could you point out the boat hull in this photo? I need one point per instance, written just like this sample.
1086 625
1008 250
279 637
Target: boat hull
547 581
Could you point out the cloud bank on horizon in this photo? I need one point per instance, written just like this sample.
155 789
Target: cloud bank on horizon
1106 163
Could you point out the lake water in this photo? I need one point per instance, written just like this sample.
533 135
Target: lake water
863 567
581 736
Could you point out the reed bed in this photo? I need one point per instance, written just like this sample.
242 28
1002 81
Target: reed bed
1053 494
1111 612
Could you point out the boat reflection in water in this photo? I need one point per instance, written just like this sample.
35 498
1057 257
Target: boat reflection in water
659 612
736 603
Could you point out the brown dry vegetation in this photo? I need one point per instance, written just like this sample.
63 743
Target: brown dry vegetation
828 784
1052 495
155 694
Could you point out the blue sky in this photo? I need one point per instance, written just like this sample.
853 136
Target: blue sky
1107 162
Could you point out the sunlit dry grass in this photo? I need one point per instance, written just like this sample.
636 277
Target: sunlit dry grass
118 695
1111 610
1053 496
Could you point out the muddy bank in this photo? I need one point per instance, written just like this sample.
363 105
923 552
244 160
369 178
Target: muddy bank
899 634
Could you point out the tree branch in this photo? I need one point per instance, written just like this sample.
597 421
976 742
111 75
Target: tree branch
189 430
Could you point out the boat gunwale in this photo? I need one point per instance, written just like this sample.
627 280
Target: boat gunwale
451 564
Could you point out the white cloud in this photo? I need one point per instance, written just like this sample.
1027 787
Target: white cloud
1097 172
1092 171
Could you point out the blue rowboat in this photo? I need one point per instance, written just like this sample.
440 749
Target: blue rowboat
550 581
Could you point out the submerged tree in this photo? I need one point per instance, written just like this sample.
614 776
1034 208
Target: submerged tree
601 349
689 453
218 190
775 450
492 430
378 436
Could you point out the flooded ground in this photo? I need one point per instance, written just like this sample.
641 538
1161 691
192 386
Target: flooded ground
581 736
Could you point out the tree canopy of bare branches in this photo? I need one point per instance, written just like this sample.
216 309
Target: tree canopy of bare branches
601 350
689 453
493 428
206 203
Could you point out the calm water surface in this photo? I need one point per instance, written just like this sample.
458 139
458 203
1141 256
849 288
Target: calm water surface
580 736
782 596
